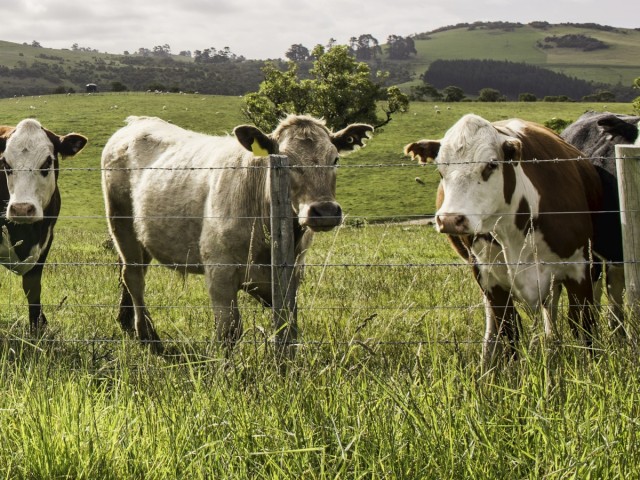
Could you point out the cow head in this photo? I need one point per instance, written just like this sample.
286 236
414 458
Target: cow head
29 161
477 166
313 153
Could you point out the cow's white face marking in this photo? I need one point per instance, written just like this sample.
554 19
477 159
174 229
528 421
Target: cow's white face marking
470 163
28 162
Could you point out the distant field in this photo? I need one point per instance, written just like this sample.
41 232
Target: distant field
618 64
371 193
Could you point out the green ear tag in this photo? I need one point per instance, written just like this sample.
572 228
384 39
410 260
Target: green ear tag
257 149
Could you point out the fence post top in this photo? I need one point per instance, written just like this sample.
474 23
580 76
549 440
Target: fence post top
628 150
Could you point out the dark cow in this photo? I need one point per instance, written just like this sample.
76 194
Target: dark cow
201 204
526 227
596 135
29 157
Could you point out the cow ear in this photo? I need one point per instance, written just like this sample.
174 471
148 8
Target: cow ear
352 137
71 144
616 127
252 139
512 150
424 150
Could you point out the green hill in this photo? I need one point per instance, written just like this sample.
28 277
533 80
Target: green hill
618 63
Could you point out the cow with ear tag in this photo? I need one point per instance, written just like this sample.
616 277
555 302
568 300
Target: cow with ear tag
29 165
201 204
525 224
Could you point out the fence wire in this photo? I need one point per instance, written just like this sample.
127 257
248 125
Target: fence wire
302 308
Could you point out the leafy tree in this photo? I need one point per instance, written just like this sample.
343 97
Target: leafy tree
298 53
453 94
490 95
365 47
118 87
340 90
600 96
401 48
424 91
636 101
527 97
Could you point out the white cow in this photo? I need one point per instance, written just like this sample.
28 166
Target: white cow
201 204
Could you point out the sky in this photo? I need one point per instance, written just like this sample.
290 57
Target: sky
262 29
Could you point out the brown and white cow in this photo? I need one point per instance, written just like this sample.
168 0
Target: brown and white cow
596 134
29 156
525 226
201 204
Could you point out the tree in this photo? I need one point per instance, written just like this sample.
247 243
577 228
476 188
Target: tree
400 48
365 47
527 97
490 95
421 92
453 94
298 53
340 90
636 101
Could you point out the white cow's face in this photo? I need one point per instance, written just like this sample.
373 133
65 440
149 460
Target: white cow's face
313 153
29 161
477 184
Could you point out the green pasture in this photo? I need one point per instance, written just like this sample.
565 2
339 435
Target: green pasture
374 194
386 383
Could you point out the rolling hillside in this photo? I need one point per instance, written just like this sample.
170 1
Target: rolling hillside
619 63
31 70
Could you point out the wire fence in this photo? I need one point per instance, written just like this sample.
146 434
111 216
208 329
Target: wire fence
474 304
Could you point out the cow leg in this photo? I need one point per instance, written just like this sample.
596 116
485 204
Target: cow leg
134 260
615 292
502 323
582 311
32 287
222 285
32 284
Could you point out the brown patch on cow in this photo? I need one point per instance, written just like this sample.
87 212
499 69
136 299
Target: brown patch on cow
424 150
523 216
508 181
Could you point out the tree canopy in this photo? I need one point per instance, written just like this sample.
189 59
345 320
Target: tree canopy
340 90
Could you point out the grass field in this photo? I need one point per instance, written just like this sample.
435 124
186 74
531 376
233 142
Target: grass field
386 383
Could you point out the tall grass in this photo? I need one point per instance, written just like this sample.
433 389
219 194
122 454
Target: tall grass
386 383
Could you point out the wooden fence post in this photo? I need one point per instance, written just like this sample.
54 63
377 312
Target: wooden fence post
628 168
283 282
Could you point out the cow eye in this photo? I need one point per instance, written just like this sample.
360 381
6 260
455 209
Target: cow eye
488 169
46 166
5 166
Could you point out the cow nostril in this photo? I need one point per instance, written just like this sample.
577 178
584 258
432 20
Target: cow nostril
459 220
23 210
328 209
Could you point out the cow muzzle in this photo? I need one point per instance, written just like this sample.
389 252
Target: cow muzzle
23 212
321 216
452 223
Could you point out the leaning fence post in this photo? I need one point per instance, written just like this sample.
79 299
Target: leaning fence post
283 285
628 169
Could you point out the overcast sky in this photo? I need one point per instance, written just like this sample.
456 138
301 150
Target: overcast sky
261 29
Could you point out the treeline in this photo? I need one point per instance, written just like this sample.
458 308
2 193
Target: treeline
512 79
133 73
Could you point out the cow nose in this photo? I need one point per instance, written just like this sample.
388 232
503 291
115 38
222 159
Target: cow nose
22 211
324 216
452 223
